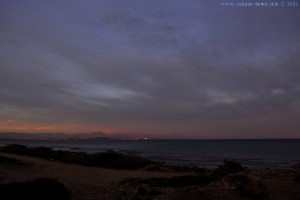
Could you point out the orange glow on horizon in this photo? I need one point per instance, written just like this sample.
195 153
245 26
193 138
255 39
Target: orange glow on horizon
14 126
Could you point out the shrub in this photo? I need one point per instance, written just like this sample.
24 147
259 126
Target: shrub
104 159
247 187
44 152
297 178
181 181
46 189
228 167
178 181
117 160
9 161
159 166
16 149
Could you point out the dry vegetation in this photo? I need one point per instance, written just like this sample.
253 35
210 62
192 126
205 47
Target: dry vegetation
109 175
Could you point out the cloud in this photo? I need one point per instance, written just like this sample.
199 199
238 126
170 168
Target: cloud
183 67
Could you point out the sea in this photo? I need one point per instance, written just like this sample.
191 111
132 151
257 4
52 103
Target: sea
267 153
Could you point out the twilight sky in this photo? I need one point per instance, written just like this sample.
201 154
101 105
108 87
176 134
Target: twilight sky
172 68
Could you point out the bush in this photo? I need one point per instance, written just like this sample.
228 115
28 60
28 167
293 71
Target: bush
297 178
182 181
46 189
44 152
9 161
175 168
247 187
118 161
176 181
104 159
16 149
227 168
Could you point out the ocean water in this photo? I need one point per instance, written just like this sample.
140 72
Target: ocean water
202 153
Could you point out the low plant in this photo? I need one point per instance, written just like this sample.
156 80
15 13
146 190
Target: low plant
228 167
5 161
175 181
44 188
102 159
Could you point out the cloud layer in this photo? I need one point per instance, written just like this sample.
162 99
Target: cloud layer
172 68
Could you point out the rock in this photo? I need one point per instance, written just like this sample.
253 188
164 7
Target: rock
226 186
141 191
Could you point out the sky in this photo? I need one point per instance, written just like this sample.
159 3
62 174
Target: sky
165 69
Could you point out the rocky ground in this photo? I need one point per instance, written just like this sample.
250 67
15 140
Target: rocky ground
268 184
91 183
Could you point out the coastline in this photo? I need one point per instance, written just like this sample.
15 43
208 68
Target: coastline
92 182
201 153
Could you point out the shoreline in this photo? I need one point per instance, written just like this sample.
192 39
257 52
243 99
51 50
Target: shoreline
209 153
83 182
